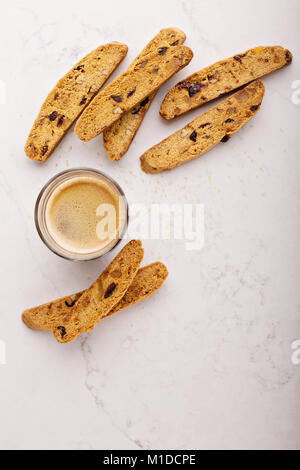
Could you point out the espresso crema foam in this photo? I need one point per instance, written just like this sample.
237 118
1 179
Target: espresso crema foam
82 215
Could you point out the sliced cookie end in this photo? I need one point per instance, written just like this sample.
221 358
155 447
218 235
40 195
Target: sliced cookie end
288 56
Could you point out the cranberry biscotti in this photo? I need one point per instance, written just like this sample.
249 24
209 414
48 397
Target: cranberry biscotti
52 314
223 77
131 88
99 299
118 137
216 125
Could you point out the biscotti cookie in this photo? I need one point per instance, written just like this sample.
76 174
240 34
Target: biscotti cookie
70 96
222 77
215 125
118 137
103 295
130 89
52 314
147 281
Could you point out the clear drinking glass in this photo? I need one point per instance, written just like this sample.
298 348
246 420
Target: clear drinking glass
41 207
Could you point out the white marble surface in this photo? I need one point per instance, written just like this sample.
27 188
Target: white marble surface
206 362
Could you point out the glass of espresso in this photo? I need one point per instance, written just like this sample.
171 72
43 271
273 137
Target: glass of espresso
81 214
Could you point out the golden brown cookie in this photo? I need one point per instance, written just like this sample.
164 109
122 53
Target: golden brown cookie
222 77
70 96
50 315
103 295
130 89
118 137
216 125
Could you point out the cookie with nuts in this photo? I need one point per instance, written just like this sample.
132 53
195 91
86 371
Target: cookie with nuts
70 96
222 77
131 89
118 137
216 125
52 314
102 296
